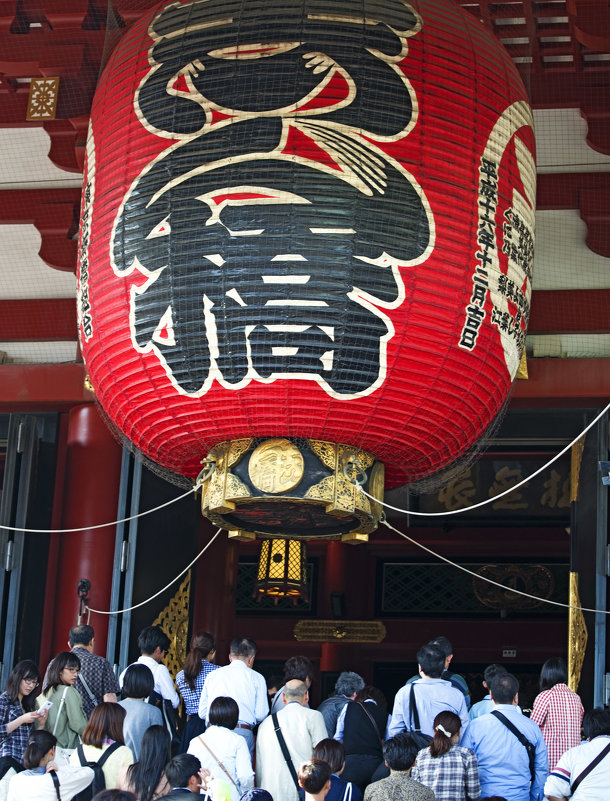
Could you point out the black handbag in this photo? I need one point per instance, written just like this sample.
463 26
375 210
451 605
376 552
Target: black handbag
421 740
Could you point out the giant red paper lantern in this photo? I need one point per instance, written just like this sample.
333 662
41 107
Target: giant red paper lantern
307 219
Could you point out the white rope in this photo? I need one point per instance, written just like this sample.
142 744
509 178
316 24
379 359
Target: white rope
101 525
488 580
167 586
495 497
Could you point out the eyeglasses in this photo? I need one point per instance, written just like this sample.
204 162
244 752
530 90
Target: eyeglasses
33 682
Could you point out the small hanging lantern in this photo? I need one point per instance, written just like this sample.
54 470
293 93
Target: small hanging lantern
281 570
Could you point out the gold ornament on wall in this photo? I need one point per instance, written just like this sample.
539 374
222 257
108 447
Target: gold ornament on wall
174 620
353 631
577 636
42 99
533 579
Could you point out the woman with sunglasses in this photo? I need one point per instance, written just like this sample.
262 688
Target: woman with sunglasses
66 719
17 714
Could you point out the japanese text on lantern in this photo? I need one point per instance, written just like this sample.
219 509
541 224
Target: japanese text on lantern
264 251
504 274
83 303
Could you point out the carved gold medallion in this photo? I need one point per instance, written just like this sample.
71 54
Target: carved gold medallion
276 466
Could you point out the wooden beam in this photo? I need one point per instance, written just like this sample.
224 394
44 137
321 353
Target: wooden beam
38 320
54 212
42 387
558 383
566 311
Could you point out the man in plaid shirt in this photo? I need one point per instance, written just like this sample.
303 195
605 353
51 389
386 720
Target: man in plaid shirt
96 681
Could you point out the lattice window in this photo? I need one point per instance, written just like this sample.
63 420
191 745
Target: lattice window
426 589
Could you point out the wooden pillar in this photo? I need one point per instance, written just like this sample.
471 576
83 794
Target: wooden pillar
334 582
90 496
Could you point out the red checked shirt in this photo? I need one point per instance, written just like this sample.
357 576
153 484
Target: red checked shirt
559 713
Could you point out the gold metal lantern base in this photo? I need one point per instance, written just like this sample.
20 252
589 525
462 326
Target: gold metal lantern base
295 489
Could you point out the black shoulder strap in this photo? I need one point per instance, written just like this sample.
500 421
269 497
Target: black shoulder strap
55 778
285 751
413 713
107 753
81 755
529 747
589 768
372 719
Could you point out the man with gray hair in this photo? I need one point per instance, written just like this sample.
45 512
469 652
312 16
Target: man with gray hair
285 740
239 681
347 686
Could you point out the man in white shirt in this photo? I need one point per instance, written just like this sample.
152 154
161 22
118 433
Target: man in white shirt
154 644
239 681
302 729
565 779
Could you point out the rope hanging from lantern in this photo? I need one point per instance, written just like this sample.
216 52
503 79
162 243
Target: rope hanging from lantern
193 490
167 586
488 580
351 468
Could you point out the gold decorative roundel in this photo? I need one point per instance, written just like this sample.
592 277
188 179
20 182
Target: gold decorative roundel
276 466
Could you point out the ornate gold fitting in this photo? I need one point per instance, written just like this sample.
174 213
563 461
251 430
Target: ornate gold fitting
299 489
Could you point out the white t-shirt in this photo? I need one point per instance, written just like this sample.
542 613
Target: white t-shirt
39 787
164 684
595 786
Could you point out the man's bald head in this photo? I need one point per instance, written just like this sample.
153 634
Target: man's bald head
296 690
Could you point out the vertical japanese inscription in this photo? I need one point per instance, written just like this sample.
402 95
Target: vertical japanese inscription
267 240
504 274
83 305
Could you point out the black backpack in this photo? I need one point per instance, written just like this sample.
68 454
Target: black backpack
99 781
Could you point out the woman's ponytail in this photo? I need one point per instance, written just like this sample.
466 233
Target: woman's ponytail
39 744
446 725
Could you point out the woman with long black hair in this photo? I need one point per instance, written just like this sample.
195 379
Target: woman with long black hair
557 710
17 714
190 681
146 778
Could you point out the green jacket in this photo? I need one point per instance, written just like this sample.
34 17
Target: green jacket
65 720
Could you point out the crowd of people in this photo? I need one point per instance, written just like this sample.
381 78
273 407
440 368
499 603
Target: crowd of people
242 742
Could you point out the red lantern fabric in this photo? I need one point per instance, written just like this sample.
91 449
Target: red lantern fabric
303 221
